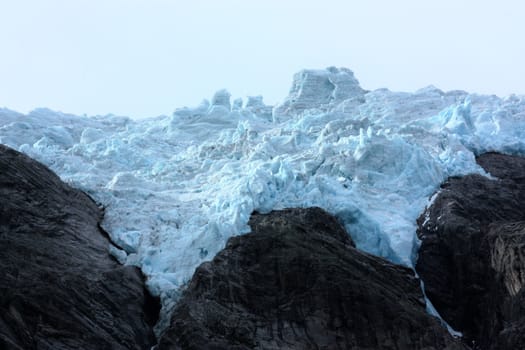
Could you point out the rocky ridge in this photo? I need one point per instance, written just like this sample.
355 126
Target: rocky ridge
472 256
59 287
297 282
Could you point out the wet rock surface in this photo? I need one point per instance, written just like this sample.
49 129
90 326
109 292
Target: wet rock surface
472 256
297 282
59 287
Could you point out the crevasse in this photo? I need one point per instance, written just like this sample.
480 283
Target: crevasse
175 188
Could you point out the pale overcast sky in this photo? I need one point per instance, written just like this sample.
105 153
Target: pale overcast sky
147 57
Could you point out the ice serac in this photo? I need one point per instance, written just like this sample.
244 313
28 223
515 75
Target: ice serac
59 287
320 90
220 103
297 282
175 188
472 256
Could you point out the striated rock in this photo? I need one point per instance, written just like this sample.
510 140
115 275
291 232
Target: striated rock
504 167
472 257
297 282
59 287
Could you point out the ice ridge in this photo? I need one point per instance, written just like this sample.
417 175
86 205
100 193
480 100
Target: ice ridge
175 188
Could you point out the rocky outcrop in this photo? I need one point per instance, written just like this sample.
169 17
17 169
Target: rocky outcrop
59 287
297 282
472 257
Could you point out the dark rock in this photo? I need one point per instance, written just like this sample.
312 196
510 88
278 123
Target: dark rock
59 287
503 166
472 257
297 282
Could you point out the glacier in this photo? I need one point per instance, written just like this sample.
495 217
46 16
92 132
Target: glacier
175 188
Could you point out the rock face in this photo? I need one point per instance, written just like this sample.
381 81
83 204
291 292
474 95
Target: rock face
472 257
297 282
59 288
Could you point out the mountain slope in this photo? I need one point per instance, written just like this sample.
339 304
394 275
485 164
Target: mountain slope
176 187
59 287
297 282
472 256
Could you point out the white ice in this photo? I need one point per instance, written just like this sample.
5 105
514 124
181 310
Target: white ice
175 188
